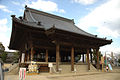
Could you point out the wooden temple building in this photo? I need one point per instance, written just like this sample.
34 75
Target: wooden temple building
44 37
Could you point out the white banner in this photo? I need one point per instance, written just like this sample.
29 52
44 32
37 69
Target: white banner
22 74
23 58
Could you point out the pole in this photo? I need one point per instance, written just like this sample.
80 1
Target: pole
102 67
1 72
105 59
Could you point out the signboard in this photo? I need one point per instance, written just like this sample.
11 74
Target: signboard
22 74
50 65
23 57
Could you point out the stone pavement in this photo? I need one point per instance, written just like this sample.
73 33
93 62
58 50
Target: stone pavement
98 75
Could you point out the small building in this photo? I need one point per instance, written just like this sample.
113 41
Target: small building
43 37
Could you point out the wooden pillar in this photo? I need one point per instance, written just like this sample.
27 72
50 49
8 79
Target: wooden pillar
88 59
83 58
72 59
91 56
97 52
26 54
46 56
20 57
57 57
32 54
28 57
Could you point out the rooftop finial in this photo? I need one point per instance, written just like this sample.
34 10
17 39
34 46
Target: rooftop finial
111 39
25 6
20 17
53 25
95 35
13 16
39 23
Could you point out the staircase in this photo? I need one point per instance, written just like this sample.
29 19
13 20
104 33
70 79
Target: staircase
14 69
92 68
79 68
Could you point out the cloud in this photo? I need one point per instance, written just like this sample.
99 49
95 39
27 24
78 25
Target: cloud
110 48
3 32
45 6
105 18
61 10
16 3
85 2
4 8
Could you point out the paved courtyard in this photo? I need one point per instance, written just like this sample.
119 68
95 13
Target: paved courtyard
87 76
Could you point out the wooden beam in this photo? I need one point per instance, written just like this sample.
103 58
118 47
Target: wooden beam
88 59
97 51
79 45
57 57
46 56
72 59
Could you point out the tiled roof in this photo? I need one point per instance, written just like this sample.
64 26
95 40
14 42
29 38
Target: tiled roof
49 20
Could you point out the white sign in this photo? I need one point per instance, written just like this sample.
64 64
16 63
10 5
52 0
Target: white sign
50 65
22 74
23 57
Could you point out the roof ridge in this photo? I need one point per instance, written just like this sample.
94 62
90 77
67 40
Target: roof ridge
49 14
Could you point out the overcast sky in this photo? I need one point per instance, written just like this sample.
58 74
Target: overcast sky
99 17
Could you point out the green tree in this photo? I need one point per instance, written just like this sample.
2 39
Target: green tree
2 53
118 60
16 56
95 56
4 56
2 48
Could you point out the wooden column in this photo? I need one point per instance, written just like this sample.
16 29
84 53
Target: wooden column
72 59
91 57
28 57
57 57
20 57
32 54
83 58
88 59
97 52
26 54
46 56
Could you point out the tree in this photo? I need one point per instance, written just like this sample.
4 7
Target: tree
118 60
95 56
16 56
2 48
4 56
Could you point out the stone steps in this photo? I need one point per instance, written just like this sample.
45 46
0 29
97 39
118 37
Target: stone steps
14 69
79 68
